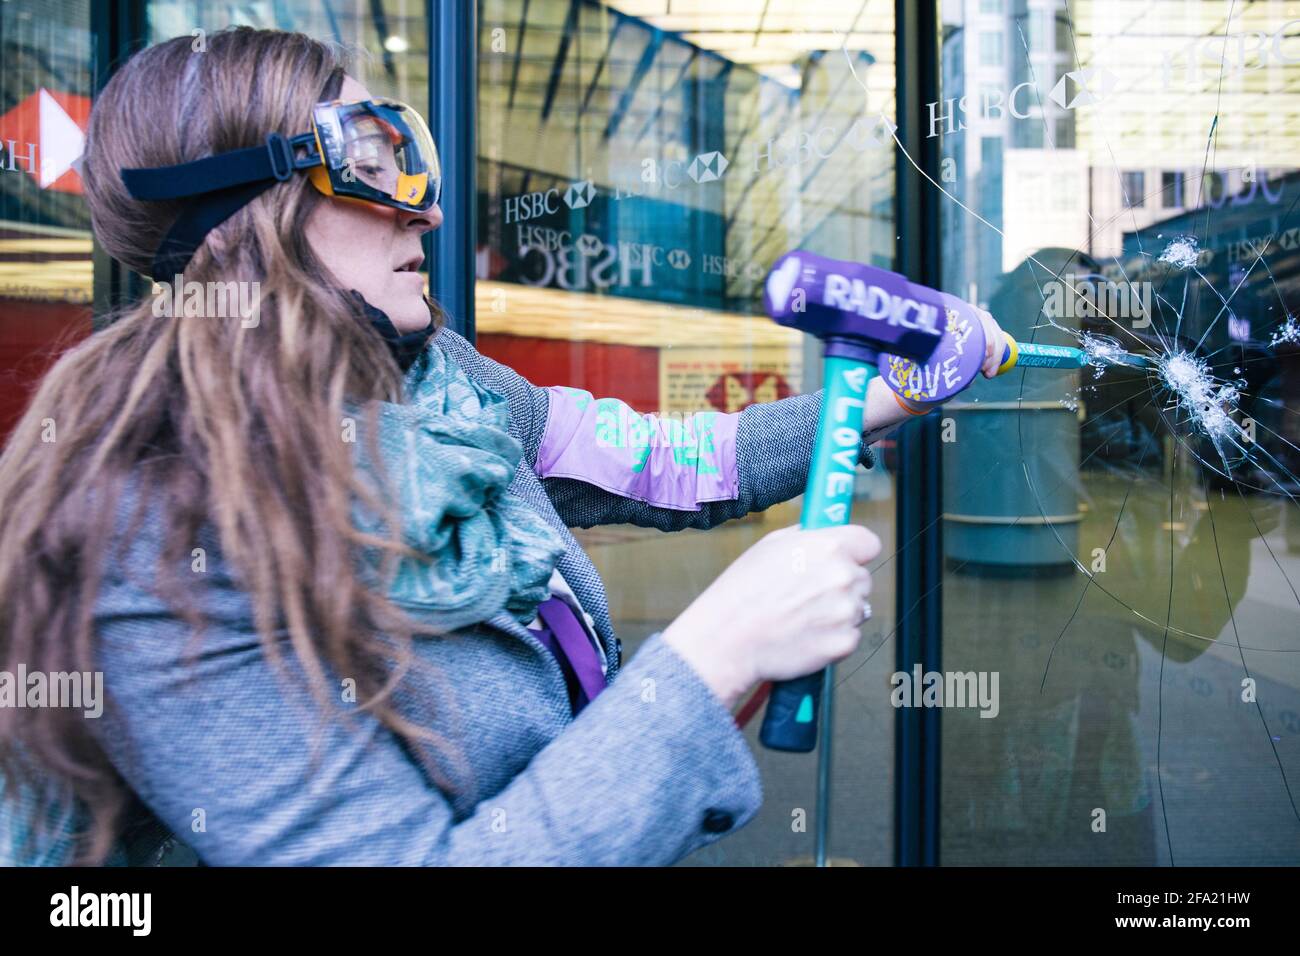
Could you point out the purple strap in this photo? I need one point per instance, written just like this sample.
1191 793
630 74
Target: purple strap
574 648
577 699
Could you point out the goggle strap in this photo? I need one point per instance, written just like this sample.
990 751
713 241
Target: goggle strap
223 184
198 219
273 161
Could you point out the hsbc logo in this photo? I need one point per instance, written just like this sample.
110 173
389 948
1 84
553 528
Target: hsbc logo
796 147
531 206
707 167
537 204
579 195
1073 90
1083 87
679 258
716 265
584 263
44 136
704 168
1229 55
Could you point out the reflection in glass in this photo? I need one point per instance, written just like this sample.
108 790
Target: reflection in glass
1123 545
641 166
386 42
45 241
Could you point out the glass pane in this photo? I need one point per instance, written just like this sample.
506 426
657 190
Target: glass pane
386 42
1122 541
641 167
45 241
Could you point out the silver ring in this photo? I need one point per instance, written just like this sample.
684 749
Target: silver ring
866 611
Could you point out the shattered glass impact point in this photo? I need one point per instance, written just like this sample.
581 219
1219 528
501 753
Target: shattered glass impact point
1181 253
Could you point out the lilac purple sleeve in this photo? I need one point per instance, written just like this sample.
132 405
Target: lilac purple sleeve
670 462
773 444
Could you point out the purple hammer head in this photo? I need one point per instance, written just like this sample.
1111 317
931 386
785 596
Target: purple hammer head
950 368
847 300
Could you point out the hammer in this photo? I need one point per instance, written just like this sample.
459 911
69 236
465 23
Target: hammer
861 313
960 354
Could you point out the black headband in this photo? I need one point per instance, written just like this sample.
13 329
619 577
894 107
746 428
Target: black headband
219 187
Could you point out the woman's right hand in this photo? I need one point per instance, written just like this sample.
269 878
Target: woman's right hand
788 606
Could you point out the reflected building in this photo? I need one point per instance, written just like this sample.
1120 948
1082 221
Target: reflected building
1013 163
639 173
1110 103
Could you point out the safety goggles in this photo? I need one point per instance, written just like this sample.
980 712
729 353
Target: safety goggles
378 151
374 151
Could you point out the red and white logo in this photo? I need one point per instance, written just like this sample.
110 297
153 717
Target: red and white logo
44 136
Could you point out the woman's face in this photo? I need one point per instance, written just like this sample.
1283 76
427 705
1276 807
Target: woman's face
373 249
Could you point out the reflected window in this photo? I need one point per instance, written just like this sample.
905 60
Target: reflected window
1171 190
1134 185
45 242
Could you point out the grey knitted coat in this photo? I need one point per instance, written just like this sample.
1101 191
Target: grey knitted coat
234 759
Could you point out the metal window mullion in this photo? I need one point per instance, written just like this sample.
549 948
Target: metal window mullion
453 105
118 28
919 481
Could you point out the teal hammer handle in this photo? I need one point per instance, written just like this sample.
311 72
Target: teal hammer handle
1029 355
790 723
1044 356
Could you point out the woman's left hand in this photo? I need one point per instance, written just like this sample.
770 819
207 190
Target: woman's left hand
995 343
885 408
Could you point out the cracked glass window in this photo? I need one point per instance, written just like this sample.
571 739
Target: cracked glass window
1121 531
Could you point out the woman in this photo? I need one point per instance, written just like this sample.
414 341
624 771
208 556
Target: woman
320 553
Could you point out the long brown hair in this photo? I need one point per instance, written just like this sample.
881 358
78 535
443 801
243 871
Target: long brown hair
224 425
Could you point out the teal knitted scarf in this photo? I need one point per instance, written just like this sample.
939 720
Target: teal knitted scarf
450 458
